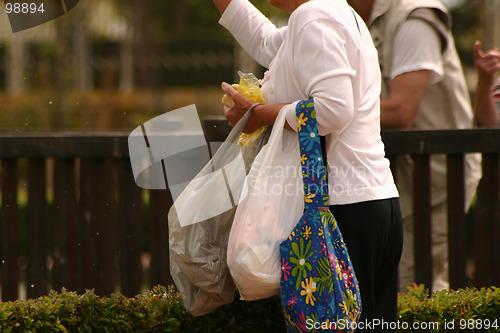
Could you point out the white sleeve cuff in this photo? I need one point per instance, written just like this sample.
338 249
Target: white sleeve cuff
291 116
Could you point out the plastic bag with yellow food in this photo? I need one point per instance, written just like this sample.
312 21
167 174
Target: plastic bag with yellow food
249 87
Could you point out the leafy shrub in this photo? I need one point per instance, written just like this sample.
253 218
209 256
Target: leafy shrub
161 310
464 310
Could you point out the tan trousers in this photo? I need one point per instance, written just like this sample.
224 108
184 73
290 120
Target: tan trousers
439 251
439 240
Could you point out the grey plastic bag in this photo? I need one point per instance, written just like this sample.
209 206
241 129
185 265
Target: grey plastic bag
200 221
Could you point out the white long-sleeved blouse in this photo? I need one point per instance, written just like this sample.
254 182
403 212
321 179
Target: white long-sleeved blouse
325 52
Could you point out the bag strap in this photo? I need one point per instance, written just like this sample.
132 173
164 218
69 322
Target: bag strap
311 156
323 154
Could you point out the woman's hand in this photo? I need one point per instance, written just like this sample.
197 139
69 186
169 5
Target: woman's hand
261 115
241 105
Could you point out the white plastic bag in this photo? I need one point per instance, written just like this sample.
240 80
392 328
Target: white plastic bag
200 221
266 215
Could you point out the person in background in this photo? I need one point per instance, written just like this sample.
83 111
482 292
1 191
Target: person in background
326 53
423 87
487 99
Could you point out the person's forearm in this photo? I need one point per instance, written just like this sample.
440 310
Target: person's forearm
221 5
485 110
406 92
395 116
264 115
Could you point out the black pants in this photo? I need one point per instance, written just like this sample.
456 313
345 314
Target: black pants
373 234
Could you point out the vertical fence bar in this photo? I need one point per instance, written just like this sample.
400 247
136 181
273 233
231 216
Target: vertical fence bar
487 225
107 260
89 188
422 220
495 223
456 220
66 238
10 230
37 274
131 229
98 205
159 204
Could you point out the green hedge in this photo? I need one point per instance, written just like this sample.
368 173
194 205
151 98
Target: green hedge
161 310
464 310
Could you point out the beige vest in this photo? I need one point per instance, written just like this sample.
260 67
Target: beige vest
446 104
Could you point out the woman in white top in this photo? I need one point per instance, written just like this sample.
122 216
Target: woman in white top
326 52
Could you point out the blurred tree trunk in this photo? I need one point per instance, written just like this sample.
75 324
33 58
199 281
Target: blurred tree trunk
132 43
496 23
82 50
15 64
245 63
180 16
64 70
127 60
490 23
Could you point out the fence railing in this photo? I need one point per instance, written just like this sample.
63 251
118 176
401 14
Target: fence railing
455 144
72 216
486 217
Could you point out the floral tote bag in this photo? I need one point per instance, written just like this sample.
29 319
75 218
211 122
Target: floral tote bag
319 290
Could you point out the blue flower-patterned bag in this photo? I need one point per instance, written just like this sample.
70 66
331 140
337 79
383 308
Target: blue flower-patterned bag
319 290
